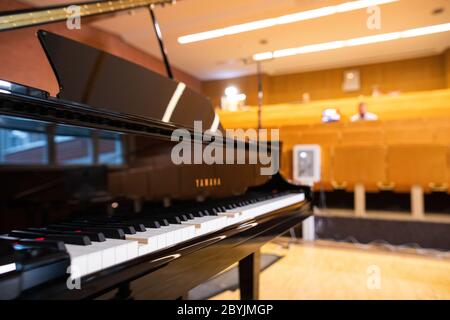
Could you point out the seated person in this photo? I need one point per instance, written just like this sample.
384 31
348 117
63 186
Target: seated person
363 115
330 115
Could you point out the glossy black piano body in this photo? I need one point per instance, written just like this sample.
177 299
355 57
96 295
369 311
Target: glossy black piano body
144 183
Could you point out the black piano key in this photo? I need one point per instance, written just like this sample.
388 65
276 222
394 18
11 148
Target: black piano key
151 224
163 222
109 232
93 236
66 238
177 217
50 244
113 233
70 239
127 229
139 227
174 220
199 214
25 234
63 227
183 217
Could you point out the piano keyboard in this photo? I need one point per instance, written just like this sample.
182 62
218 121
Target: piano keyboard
96 244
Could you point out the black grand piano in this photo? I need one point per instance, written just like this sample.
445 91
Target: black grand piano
94 207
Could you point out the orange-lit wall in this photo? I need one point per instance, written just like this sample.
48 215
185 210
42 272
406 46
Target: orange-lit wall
22 58
420 74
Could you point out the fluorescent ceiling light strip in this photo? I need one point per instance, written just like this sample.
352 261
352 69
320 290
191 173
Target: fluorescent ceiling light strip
5 84
373 39
285 19
215 124
355 5
7 268
173 102
353 42
426 30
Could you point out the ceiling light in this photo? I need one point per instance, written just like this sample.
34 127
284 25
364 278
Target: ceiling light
289 18
353 42
426 30
231 91
373 39
355 5
263 56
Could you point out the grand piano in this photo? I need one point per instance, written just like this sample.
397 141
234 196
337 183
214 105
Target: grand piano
96 208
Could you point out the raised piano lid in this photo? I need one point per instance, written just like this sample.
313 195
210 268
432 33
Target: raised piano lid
99 79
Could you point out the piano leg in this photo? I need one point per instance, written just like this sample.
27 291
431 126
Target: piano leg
123 292
249 268
184 296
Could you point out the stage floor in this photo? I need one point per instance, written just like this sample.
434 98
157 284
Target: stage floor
332 270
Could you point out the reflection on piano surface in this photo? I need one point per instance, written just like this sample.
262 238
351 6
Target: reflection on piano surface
88 183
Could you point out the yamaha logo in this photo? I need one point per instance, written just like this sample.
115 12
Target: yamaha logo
207 182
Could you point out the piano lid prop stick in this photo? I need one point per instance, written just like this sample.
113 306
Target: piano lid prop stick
160 42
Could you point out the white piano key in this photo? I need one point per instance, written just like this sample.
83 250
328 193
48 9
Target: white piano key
143 249
276 204
148 237
174 235
170 235
108 253
207 223
182 232
156 236
125 249
78 263
256 209
101 255
92 257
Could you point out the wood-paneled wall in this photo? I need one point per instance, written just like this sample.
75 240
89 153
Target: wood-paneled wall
248 85
447 66
419 74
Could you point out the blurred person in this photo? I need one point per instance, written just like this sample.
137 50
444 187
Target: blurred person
376 92
306 98
331 115
363 114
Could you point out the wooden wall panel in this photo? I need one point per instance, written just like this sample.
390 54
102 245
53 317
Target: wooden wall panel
248 85
420 74
447 66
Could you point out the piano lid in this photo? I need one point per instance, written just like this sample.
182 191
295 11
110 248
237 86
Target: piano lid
99 79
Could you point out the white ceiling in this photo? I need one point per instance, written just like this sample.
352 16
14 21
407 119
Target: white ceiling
223 57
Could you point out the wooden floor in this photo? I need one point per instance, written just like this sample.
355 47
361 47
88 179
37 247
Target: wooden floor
329 270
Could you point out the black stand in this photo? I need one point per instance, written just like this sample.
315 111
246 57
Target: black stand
260 92
161 43
249 269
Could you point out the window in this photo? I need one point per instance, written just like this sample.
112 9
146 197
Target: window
22 141
73 145
110 150
26 142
